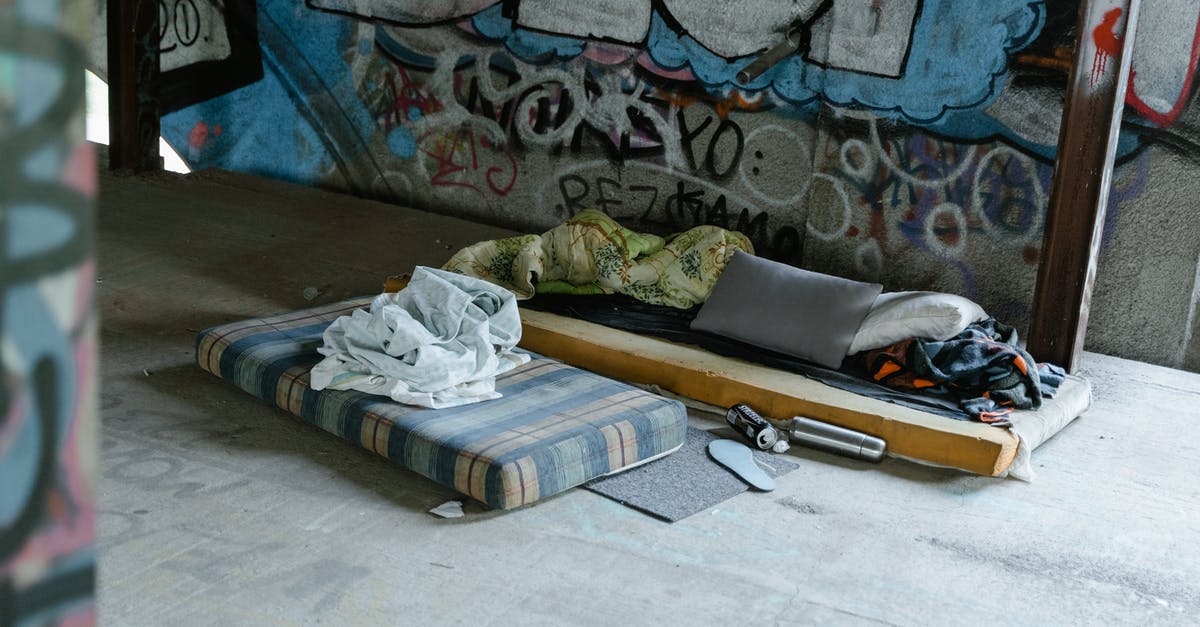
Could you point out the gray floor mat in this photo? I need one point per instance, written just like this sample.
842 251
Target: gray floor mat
684 482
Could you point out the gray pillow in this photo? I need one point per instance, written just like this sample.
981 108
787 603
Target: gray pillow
785 309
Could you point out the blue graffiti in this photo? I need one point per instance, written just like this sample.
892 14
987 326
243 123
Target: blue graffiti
958 60
977 126
401 142
290 134
526 44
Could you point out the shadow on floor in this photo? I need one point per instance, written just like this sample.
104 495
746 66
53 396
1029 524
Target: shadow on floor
205 418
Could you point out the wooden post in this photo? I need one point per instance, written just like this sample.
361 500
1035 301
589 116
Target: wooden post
133 35
1087 145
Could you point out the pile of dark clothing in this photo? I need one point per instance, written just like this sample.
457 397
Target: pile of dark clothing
983 368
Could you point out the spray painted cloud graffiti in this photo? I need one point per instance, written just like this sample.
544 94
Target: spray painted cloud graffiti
406 11
730 29
954 56
915 60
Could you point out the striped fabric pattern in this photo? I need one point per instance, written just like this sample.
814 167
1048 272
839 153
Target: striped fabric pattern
556 427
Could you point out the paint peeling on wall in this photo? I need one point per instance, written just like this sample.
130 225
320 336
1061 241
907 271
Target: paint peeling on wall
47 329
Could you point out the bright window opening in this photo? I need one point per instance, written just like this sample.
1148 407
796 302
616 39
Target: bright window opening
97 124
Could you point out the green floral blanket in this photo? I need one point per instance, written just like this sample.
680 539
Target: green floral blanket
592 254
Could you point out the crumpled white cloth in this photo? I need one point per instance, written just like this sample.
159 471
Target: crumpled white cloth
440 342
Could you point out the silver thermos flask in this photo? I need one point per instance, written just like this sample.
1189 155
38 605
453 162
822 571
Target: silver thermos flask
837 440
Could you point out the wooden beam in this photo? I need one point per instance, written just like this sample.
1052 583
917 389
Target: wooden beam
1083 167
711 378
133 35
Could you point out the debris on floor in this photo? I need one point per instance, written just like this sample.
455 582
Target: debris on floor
449 509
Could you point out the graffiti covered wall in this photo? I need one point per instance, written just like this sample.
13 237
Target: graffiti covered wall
906 141
47 328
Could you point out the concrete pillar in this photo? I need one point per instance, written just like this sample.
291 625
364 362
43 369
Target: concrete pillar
47 326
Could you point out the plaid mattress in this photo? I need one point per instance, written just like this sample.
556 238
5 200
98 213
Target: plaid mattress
556 427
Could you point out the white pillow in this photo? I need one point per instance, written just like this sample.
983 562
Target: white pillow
897 316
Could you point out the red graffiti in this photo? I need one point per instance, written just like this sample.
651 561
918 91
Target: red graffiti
408 101
1158 112
1107 42
201 133
465 159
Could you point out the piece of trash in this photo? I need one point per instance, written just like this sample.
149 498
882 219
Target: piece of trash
781 446
449 509
747 422
145 372
739 460
310 293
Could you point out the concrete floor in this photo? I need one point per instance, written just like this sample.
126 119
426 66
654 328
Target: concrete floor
217 509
